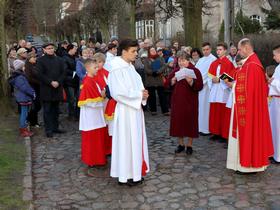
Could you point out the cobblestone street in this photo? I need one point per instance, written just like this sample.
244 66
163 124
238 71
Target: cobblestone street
200 181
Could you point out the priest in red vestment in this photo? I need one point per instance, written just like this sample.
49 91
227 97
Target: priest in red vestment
184 103
92 123
250 139
219 116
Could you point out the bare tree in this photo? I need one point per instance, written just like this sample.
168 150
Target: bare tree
191 11
3 57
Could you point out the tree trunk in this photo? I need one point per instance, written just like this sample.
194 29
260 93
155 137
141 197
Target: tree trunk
3 58
192 13
132 12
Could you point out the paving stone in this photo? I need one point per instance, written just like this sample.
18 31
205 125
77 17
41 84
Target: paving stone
197 182
242 204
129 205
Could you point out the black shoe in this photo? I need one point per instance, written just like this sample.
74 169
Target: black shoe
132 183
59 131
214 137
204 134
122 183
179 149
273 161
245 173
49 135
189 150
222 140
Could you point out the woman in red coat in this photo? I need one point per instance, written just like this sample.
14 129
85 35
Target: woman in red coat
184 102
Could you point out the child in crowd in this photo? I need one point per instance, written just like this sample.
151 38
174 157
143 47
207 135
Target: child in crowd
184 103
24 95
101 80
92 122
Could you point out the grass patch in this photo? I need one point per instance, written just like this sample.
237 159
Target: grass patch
12 163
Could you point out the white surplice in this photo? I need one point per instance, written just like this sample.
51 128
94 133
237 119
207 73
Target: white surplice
233 154
274 110
109 58
203 65
89 111
129 133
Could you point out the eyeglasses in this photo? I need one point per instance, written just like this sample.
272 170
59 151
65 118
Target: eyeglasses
49 48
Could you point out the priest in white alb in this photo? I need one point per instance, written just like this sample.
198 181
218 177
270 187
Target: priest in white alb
130 160
203 65
274 107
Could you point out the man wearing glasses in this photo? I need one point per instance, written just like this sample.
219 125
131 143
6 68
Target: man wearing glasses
51 72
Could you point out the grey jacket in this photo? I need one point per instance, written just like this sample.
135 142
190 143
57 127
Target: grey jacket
152 79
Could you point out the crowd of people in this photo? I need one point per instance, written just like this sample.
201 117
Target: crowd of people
108 86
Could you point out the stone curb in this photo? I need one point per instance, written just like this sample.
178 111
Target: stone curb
27 194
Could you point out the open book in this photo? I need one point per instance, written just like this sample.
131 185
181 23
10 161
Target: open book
183 73
226 76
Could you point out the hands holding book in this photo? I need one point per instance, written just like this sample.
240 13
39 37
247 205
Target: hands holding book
215 79
189 80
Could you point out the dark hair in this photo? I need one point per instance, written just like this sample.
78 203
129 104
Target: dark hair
70 47
206 44
270 70
9 51
64 42
222 44
150 49
277 47
126 44
196 50
111 46
183 55
34 49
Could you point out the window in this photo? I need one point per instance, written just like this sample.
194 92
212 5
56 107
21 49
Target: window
256 17
144 29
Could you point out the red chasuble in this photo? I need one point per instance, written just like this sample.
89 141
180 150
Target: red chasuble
89 92
226 67
219 117
93 141
251 115
101 78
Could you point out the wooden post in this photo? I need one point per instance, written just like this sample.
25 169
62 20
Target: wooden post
229 21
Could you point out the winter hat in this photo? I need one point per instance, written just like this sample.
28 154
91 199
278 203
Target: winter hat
170 59
47 44
21 50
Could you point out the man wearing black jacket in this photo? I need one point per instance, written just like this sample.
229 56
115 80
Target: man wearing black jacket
71 82
51 73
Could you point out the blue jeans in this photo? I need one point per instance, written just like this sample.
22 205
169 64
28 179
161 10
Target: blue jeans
23 116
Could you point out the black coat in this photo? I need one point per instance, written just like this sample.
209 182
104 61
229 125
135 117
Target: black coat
70 63
51 68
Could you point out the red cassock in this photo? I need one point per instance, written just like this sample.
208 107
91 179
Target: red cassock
251 115
101 79
184 105
219 116
93 141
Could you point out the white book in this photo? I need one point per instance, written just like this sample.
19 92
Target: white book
183 73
